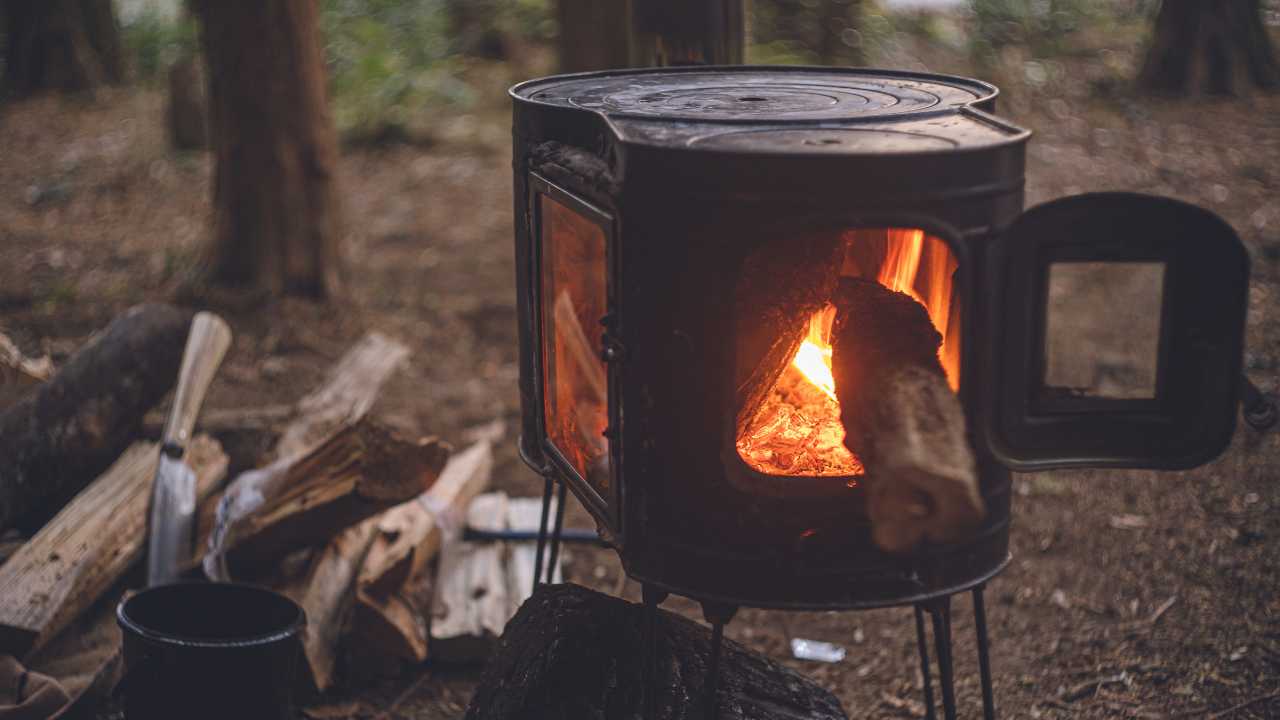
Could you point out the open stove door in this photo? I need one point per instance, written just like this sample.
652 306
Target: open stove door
1117 336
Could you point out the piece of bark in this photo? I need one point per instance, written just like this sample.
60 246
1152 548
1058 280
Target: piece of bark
571 652
58 439
774 299
470 606
324 592
902 419
410 534
356 474
88 546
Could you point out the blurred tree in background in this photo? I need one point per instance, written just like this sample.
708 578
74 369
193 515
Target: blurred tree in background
822 32
1210 45
277 220
60 45
600 35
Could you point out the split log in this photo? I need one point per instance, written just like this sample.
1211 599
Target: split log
88 546
394 590
347 394
774 299
356 474
573 652
470 605
393 627
324 592
410 534
58 439
902 419
345 397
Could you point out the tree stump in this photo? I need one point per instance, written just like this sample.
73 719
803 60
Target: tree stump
574 653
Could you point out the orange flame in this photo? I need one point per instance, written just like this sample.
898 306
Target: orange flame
798 432
813 359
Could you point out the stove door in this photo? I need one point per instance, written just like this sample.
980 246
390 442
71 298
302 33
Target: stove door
1116 336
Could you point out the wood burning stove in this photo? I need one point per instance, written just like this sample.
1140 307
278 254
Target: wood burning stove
679 237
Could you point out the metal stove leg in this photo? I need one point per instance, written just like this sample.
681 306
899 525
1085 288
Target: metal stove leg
926 672
719 616
940 610
555 534
984 656
542 532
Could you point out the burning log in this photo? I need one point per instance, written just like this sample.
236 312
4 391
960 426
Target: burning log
59 438
901 418
88 546
572 652
777 294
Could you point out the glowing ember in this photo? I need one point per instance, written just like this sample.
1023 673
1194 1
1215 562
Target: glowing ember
797 430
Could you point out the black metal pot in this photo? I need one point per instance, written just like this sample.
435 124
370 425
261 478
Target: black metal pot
209 650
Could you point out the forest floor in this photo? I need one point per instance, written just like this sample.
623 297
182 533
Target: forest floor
1131 594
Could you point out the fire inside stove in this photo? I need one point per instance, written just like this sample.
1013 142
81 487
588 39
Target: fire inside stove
795 430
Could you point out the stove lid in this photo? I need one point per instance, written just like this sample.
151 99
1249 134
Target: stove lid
1118 335
787 109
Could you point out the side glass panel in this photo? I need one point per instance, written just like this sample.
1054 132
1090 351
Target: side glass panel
574 299
1102 329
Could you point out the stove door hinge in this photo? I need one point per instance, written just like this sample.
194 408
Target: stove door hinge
611 348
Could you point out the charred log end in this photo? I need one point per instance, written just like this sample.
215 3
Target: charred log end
902 419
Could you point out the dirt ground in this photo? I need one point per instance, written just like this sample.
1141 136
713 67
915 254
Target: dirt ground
1131 594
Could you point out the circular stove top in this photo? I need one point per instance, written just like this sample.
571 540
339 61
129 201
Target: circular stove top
757 95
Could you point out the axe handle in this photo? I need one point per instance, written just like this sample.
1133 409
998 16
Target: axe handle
206 345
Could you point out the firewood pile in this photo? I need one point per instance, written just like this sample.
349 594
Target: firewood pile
360 525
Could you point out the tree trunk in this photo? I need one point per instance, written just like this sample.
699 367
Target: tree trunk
276 210
680 32
60 45
604 34
1208 45
594 35
834 48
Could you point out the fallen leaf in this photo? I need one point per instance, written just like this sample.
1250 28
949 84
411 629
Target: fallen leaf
1128 522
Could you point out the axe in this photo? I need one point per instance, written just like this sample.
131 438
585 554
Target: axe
173 495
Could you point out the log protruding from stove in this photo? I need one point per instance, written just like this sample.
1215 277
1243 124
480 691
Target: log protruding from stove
902 419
